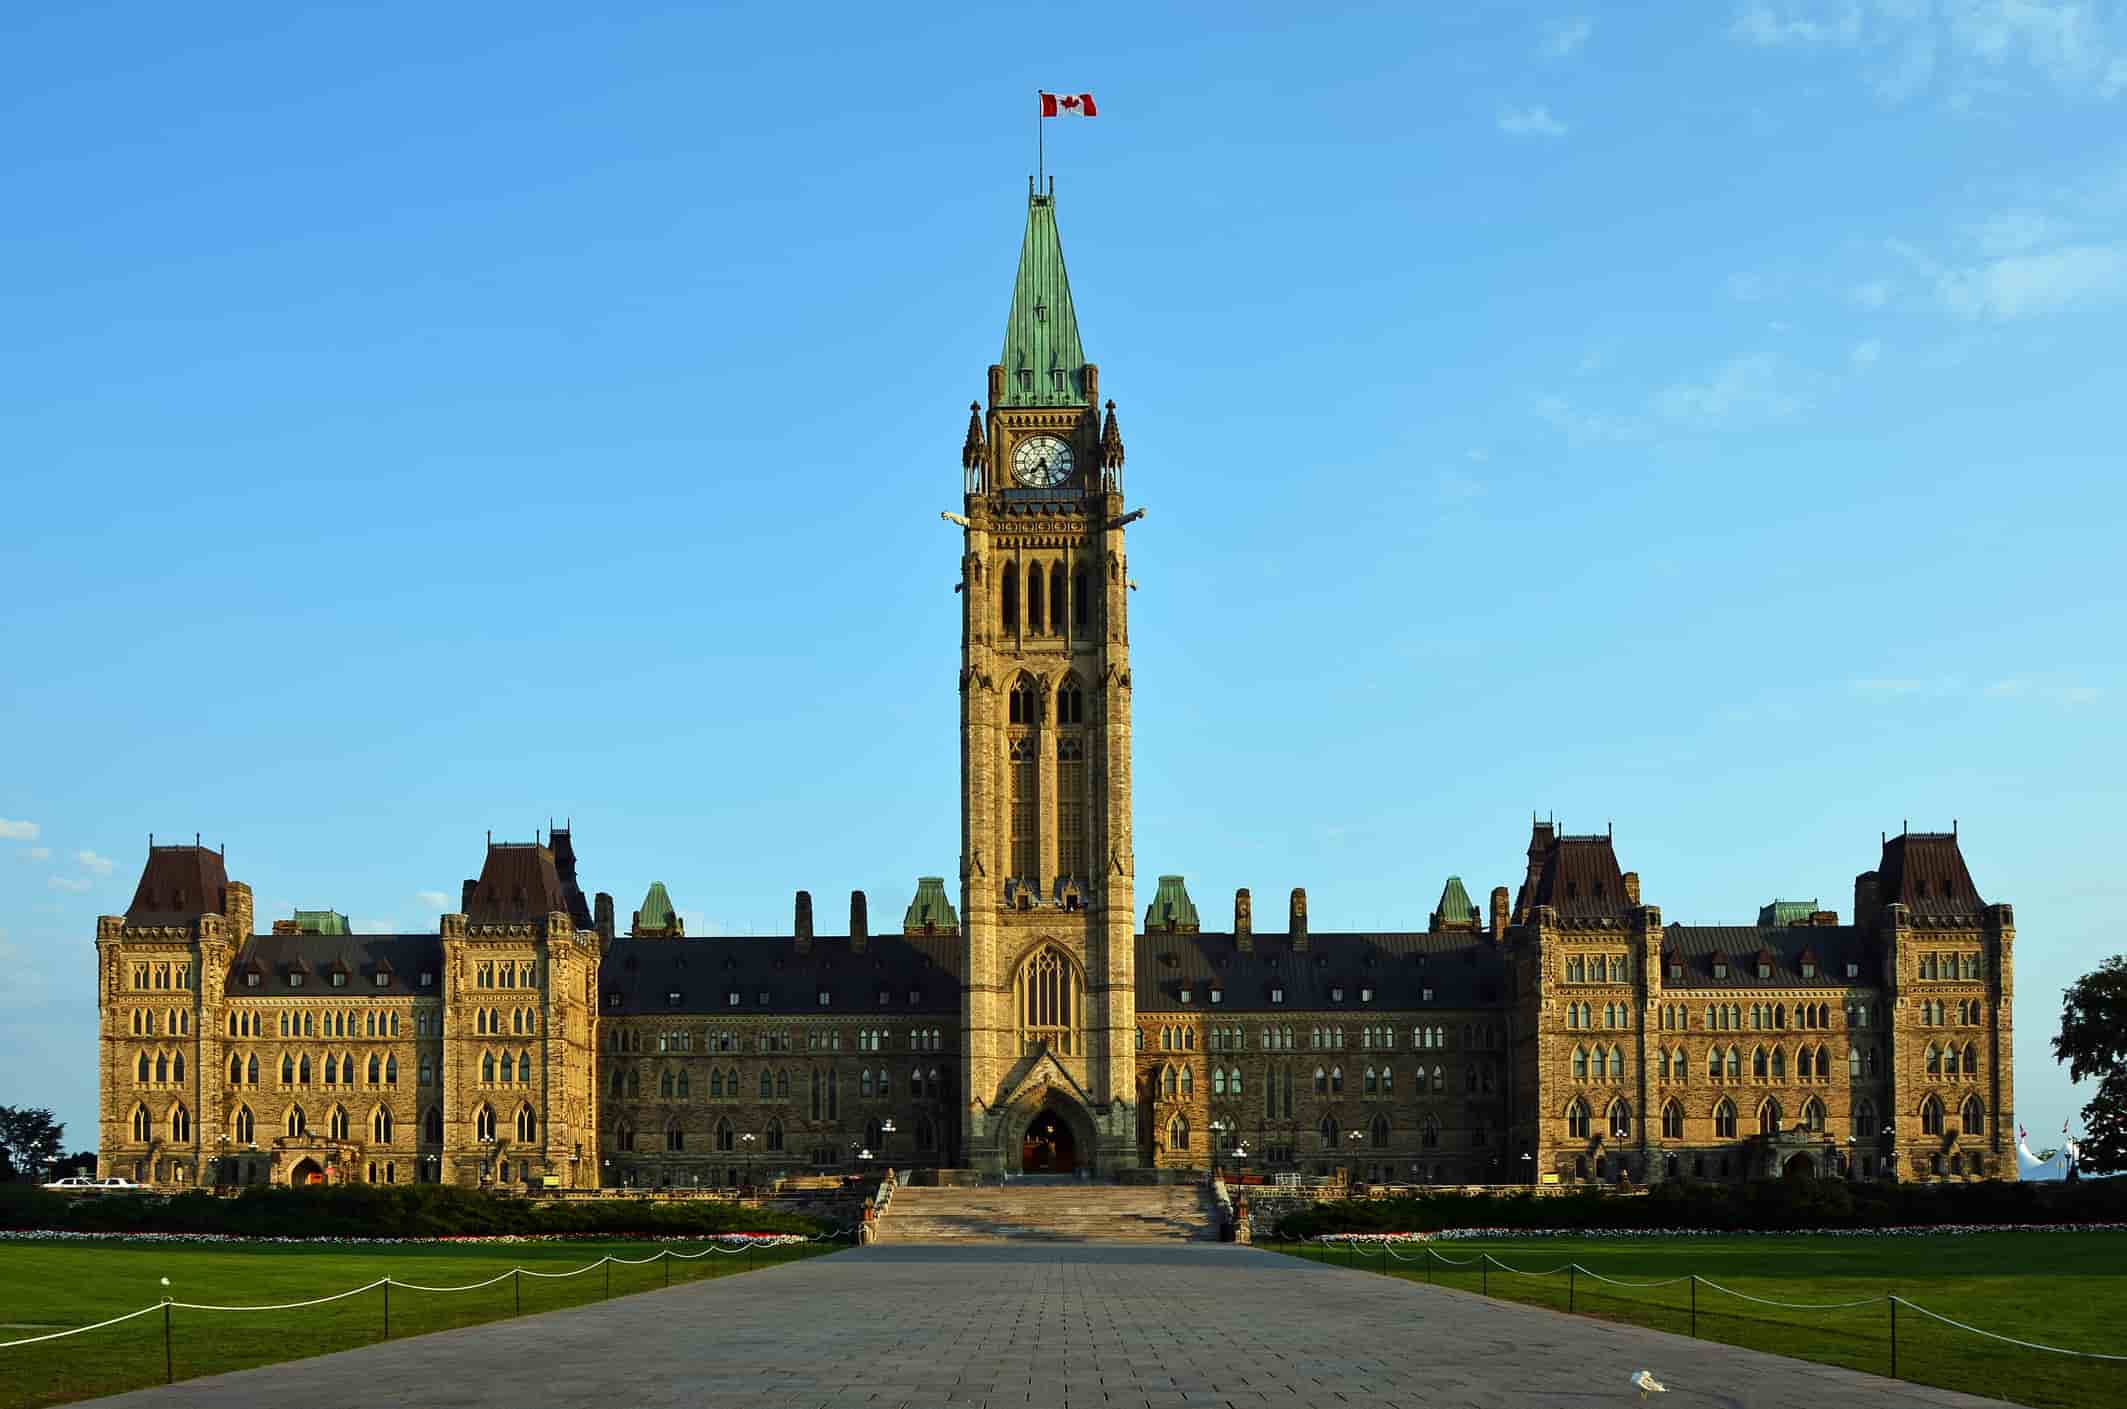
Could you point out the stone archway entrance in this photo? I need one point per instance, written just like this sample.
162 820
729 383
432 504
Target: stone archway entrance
1049 1146
1800 1167
306 1171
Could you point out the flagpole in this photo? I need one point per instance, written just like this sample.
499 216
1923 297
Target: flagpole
1041 135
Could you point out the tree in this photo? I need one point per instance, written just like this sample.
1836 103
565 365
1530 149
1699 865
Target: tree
29 1137
2093 1042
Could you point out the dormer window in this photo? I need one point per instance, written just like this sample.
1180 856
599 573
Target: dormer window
1720 968
731 999
1185 995
612 999
1366 995
1764 969
885 997
295 980
339 980
1277 995
1809 968
764 997
251 980
428 980
672 999
1425 995
1853 971
1336 995
383 979
823 997
1676 969
1218 995
915 995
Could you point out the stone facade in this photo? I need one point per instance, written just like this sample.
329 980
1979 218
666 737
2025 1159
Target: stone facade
1566 1034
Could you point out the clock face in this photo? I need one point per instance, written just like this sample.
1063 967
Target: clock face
1041 462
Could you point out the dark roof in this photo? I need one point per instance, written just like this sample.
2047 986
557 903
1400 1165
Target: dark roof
520 883
1926 872
1833 947
178 885
402 957
1579 878
1463 972
705 972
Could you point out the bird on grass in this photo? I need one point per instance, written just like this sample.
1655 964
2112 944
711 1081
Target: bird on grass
1645 1382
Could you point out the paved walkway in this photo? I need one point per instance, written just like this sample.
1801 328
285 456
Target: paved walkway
1052 1326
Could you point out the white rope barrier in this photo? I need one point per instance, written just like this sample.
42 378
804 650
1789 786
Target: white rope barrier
79 1330
286 1305
1636 1286
2010 1340
738 1246
1793 1305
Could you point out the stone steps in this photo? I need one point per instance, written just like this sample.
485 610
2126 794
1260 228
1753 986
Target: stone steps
1085 1213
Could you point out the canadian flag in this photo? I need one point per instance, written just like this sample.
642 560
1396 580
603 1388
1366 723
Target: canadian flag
1068 105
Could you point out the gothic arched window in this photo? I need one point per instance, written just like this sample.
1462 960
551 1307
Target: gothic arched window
1049 996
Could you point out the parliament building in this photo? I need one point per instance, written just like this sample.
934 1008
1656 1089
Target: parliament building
1039 1022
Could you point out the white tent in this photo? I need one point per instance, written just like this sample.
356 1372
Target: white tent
2051 1165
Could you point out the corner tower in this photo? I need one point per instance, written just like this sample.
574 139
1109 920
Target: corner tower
1047 908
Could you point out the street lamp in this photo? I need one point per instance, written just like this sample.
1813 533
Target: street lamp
1528 1167
746 1149
1218 1135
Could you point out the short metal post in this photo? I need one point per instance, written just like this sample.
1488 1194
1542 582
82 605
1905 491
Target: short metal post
1570 1274
1429 1267
387 1308
609 1277
1694 1304
517 1285
668 1267
1894 1337
169 1366
1484 1273
749 1254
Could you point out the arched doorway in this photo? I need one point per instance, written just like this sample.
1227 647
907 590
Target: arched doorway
1800 1167
306 1171
1048 1147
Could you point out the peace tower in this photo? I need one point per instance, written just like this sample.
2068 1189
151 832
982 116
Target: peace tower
1047 922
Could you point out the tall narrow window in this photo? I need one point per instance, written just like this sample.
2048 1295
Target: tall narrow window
1070 801
1008 597
1026 847
1056 598
1080 612
1035 597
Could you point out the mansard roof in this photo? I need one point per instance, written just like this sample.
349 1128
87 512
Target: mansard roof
656 910
1461 970
177 886
1926 872
1578 877
645 973
401 958
1455 907
1830 947
930 909
520 883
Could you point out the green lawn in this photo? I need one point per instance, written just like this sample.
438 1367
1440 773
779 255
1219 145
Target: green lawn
50 1286
2060 1289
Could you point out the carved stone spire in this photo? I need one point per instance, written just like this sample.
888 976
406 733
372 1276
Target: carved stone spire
973 451
1111 442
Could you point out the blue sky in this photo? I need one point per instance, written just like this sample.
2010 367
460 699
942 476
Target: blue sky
417 421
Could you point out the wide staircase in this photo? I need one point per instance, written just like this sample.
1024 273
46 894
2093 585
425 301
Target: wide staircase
1064 1212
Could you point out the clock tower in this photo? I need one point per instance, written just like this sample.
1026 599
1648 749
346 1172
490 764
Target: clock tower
1047 910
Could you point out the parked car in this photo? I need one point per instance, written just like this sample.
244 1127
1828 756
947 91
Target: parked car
74 1181
118 1184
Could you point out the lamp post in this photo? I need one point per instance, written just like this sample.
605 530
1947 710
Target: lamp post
1528 1167
746 1149
1218 1136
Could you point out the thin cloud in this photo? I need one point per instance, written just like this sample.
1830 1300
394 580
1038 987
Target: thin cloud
13 830
1563 37
99 865
1865 354
1743 391
39 853
434 900
1533 121
2070 279
1455 487
1966 48
1872 295
72 883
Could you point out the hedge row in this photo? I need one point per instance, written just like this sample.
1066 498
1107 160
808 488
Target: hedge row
368 1210
1770 1205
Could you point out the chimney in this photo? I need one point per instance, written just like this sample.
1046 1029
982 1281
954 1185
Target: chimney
1244 921
1632 887
1296 918
465 897
1867 899
859 922
802 923
286 927
602 916
1499 913
237 906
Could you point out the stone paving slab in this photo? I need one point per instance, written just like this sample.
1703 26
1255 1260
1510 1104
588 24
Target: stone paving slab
1047 1326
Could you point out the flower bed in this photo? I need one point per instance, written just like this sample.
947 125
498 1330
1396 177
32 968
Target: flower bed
770 1240
1927 1230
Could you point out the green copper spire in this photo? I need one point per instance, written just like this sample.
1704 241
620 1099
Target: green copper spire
1171 908
930 912
321 922
656 915
1455 908
1044 365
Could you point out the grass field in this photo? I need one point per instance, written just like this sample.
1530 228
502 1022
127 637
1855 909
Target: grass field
51 1286
2061 1289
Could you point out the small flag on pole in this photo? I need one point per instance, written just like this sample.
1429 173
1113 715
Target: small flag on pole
1068 105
